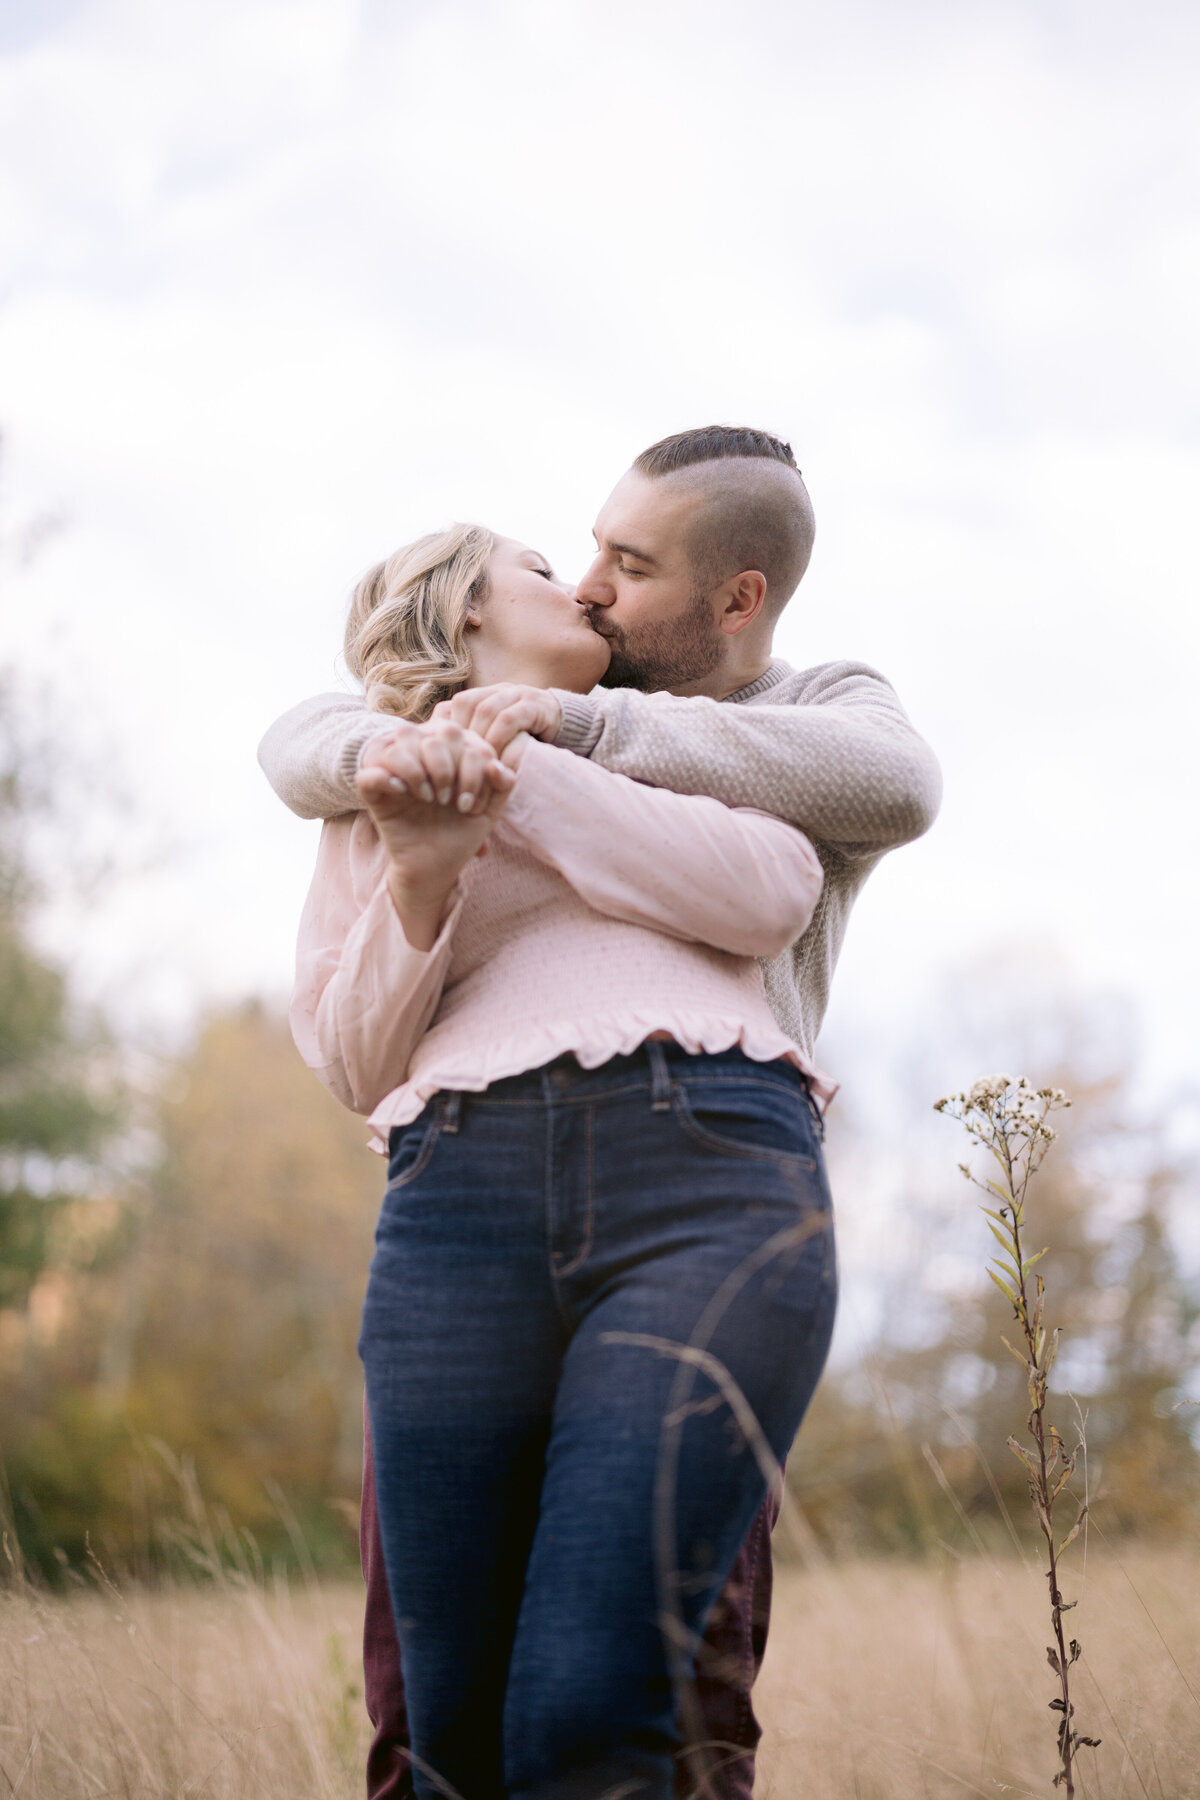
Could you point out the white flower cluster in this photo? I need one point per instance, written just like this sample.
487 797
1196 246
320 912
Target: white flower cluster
999 1107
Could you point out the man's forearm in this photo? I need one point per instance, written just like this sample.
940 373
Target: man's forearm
310 755
837 756
845 765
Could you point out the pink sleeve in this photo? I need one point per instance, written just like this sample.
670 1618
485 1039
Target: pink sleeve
363 996
737 880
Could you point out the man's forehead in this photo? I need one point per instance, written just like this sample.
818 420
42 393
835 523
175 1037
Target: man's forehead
642 512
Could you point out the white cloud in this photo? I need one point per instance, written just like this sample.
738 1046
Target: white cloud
293 280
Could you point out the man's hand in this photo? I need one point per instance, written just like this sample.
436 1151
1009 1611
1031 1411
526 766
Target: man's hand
498 713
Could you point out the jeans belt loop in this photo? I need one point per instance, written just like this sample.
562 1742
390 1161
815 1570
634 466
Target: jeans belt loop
451 1111
660 1076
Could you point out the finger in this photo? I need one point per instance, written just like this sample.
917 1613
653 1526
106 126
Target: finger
377 749
478 706
399 762
374 785
455 711
520 715
441 747
473 764
501 777
497 798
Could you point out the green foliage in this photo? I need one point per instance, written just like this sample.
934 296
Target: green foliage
52 1108
221 1338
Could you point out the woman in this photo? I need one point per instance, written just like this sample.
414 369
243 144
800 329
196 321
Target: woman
603 1284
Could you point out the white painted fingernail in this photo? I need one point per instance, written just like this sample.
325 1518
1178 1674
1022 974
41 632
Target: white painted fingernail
396 785
444 796
426 791
465 802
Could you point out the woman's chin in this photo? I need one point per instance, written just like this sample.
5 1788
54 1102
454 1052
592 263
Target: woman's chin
586 668
598 669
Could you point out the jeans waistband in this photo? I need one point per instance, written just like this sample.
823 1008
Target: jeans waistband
653 1064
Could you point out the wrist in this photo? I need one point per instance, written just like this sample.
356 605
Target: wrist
420 907
580 722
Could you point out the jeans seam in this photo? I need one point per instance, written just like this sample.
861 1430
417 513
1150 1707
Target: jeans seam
551 1216
589 1164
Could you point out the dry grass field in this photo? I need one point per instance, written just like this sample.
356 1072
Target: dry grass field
902 1683
884 1682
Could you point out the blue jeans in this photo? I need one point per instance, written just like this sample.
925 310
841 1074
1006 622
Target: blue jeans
599 1304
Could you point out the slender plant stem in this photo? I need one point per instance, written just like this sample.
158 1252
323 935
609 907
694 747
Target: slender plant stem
1045 1510
1008 1119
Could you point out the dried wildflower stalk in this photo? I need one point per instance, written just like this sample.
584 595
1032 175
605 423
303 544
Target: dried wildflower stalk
1008 1119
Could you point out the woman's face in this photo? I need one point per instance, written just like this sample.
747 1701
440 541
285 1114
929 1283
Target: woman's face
531 628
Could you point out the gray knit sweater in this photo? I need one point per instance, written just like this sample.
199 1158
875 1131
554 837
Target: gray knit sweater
828 749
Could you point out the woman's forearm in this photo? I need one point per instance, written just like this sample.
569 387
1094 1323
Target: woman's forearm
365 992
420 909
737 880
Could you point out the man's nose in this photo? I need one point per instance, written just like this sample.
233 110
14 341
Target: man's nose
595 589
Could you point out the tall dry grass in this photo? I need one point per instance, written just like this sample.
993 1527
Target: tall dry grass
882 1682
905 1683
226 1692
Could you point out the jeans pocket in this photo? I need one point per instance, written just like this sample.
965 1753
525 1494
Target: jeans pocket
760 1120
410 1148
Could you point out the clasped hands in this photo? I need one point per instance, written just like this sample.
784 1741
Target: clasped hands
464 755
434 791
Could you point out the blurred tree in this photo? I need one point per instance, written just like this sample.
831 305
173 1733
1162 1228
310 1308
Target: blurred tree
908 1448
55 1110
223 1335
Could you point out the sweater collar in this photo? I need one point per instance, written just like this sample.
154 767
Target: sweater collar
775 672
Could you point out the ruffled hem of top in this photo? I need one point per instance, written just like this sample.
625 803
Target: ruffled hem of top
470 1072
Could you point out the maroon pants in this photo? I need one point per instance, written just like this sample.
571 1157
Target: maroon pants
729 1661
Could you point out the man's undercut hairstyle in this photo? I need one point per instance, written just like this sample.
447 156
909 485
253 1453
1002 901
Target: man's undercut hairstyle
753 508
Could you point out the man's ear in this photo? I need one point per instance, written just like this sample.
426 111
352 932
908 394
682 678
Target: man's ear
740 600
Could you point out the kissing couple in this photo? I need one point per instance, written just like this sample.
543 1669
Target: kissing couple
588 858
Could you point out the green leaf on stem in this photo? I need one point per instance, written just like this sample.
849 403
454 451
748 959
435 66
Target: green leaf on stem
1005 1290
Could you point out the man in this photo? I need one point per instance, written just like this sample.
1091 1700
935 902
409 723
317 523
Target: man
699 547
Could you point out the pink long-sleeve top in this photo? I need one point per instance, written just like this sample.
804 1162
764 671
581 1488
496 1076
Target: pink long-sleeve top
603 912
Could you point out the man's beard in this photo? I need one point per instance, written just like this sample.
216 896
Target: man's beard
663 655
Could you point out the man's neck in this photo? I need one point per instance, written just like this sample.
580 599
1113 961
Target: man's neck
727 678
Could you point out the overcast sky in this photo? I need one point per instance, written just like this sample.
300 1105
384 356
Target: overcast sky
287 282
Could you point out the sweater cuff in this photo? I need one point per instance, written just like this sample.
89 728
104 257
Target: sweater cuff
582 722
373 726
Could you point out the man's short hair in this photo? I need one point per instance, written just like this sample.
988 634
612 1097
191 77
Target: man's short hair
753 508
711 443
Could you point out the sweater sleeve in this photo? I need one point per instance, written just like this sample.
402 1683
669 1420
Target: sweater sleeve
837 757
310 755
683 864
363 996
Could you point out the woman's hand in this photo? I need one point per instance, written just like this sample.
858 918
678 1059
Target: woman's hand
440 760
434 793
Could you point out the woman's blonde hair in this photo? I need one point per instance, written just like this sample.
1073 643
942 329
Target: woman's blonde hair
406 635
